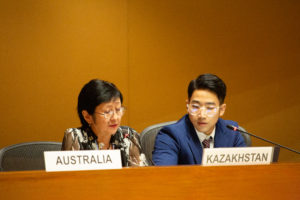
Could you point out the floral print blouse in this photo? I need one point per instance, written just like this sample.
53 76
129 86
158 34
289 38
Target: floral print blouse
126 139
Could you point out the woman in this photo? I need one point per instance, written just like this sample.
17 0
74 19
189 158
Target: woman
100 111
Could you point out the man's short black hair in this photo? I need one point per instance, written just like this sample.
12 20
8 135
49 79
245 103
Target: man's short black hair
209 82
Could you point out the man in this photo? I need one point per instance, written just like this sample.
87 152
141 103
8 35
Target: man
182 143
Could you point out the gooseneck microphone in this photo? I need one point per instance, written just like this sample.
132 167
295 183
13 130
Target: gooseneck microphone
240 130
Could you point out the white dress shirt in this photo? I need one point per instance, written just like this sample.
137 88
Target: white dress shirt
203 136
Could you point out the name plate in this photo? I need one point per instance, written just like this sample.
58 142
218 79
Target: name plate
237 156
82 160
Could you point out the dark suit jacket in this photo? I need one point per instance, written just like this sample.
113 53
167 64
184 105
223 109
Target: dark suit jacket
178 144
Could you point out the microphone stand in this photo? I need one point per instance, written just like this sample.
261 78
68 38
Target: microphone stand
276 149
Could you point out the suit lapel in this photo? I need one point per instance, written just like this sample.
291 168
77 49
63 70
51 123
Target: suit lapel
220 137
194 142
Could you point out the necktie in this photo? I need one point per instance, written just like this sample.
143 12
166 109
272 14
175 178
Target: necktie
206 142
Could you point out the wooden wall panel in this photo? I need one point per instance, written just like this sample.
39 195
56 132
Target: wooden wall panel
49 50
151 50
253 46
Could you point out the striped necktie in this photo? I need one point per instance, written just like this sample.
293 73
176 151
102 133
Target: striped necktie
206 142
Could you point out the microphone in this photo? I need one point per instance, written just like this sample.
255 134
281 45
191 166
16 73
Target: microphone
240 130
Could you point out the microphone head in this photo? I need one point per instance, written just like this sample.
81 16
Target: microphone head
232 127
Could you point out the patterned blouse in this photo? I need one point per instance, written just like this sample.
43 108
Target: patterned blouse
126 139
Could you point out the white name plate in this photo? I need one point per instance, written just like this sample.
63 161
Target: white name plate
82 160
237 156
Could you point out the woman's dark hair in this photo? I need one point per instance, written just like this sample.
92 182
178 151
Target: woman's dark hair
209 82
94 93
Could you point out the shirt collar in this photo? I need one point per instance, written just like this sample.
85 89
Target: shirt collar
203 136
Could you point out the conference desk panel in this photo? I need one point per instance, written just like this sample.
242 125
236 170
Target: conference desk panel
275 181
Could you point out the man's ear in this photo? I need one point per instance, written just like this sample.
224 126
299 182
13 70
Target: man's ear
186 103
87 117
222 109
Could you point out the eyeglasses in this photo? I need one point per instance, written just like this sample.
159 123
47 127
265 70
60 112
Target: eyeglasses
209 111
107 115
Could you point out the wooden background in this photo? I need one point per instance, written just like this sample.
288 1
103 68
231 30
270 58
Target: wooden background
151 50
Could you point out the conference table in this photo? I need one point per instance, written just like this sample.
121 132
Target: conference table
274 181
